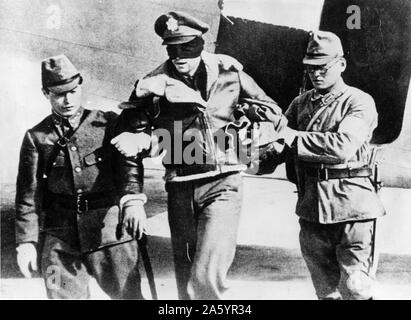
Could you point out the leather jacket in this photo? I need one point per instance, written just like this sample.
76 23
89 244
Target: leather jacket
88 165
195 125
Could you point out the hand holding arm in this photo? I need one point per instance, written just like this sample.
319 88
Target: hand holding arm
177 92
155 85
27 258
130 144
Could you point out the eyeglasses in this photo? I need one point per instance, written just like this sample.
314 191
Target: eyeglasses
322 69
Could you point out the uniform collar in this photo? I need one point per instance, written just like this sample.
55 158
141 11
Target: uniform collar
73 121
187 78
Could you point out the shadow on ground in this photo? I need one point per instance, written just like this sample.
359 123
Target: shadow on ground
256 263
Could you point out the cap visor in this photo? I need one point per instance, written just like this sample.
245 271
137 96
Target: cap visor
317 61
178 40
65 87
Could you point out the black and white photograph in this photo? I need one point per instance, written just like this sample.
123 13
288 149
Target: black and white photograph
212 150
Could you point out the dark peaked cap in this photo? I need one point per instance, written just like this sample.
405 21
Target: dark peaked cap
179 27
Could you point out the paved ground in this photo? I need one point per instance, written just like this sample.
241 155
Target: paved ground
268 264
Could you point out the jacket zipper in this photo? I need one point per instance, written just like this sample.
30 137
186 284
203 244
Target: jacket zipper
209 136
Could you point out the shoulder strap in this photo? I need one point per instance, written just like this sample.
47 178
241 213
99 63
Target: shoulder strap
61 143
328 101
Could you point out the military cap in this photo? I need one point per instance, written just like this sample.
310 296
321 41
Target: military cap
322 48
59 75
179 27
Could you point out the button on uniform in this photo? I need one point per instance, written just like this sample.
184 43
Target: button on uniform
77 169
73 148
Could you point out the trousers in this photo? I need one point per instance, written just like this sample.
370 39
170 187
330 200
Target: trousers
204 217
66 270
340 257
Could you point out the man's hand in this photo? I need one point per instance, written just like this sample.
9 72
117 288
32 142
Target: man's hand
130 144
155 85
134 219
27 258
284 132
257 110
177 92
279 121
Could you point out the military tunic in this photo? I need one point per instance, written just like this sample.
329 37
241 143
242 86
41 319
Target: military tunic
337 214
338 138
77 239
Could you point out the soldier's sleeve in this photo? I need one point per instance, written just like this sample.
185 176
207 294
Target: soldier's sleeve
289 154
123 168
136 118
28 193
338 147
291 113
130 171
270 155
129 175
250 89
280 151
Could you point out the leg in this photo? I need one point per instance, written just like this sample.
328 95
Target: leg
356 256
319 254
219 208
64 273
116 270
182 228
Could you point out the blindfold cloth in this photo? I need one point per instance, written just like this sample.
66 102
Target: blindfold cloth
191 49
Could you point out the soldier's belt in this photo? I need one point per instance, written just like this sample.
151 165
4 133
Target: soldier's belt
84 202
331 173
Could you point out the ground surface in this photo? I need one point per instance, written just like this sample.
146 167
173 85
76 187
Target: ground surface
267 265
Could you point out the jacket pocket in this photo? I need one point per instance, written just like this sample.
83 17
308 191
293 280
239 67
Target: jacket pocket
360 182
97 156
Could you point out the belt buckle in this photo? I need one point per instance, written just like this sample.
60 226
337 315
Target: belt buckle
322 174
62 142
79 202
350 171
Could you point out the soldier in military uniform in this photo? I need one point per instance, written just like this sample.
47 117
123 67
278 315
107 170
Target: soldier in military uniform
193 96
68 193
327 152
